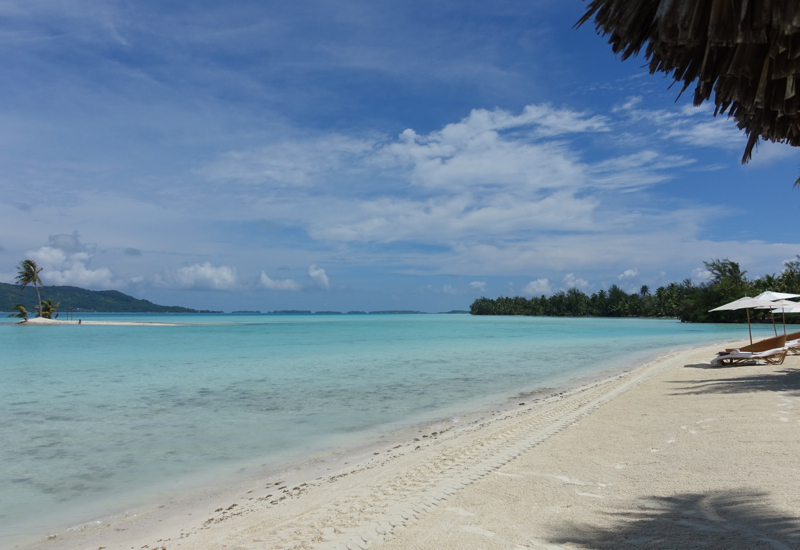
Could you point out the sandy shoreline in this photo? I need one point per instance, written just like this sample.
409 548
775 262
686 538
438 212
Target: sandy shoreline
40 321
663 455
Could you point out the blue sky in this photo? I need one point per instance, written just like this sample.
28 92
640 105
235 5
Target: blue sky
362 155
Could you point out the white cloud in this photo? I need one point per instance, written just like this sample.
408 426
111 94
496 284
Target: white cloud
477 152
690 125
448 289
319 276
768 152
277 284
537 288
570 281
200 277
718 132
629 104
289 163
79 275
480 286
700 274
628 273
9 277
65 261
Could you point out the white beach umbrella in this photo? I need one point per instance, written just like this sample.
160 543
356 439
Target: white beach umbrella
784 305
778 303
795 309
769 295
745 303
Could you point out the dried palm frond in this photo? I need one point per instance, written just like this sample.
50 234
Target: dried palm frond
745 52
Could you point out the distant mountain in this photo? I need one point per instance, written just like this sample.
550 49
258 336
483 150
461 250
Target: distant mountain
80 299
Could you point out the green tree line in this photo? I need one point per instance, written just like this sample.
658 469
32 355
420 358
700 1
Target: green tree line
686 301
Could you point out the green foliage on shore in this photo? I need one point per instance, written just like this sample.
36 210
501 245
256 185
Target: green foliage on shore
101 301
687 301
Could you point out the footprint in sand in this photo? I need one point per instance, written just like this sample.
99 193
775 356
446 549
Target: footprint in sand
477 531
547 545
589 495
570 480
460 511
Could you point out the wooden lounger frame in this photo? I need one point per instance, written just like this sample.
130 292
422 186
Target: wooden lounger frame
789 338
776 343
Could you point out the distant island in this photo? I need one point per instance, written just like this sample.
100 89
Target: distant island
82 300
245 311
685 301
394 312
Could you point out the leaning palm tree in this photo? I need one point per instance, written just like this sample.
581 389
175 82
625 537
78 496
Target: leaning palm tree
21 312
29 275
48 309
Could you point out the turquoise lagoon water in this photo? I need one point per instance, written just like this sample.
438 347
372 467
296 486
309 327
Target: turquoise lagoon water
97 418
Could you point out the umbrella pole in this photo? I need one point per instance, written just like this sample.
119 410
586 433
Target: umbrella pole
773 323
748 326
783 311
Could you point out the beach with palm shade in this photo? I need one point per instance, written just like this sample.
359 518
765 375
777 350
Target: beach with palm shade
668 454
400 275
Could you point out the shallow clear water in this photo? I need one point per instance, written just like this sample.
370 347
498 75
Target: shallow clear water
93 418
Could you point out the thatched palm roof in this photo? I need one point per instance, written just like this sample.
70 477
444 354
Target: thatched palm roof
745 52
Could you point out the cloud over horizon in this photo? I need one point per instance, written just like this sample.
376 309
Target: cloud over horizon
203 276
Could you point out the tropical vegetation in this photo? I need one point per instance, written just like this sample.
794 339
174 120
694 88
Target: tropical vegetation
28 274
21 312
48 309
686 300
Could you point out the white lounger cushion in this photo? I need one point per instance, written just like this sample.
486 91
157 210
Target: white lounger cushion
736 354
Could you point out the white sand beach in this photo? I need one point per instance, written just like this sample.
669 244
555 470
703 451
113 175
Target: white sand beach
674 454
41 321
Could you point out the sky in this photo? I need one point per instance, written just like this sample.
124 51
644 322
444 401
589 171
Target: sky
359 155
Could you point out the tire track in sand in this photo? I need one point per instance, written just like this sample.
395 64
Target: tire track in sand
374 502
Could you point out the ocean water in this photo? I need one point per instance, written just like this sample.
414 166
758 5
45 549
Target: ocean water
95 419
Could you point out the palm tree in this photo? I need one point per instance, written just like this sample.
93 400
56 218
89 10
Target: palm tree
21 312
48 309
29 275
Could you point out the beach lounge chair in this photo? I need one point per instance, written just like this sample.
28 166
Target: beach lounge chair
793 343
772 351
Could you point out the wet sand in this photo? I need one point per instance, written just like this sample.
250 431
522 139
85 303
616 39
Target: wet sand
674 454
